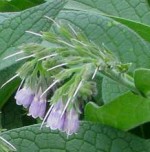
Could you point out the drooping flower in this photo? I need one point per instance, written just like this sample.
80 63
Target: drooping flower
67 121
24 97
37 107
55 119
71 123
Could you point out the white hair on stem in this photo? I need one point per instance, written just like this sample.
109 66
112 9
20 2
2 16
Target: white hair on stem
72 29
10 80
77 89
57 66
7 57
34 33
48 112
66 43
79 42
48 56
20 85
68 101
95 73
9 144
52 21
49 88
25 57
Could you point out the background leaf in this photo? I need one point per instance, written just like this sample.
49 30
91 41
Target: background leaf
17 5
91 137
142 29
134 10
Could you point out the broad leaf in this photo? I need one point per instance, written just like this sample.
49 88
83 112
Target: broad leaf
134 10
90 138
125 112
122 41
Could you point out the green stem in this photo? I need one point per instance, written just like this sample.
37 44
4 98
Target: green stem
122 78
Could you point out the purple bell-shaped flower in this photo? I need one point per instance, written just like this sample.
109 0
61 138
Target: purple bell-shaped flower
67 121
71 123
24 97
37 107
55 119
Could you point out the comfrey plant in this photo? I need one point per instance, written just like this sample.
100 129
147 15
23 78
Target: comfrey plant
62 74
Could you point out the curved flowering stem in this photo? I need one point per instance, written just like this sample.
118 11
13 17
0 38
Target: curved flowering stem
62 73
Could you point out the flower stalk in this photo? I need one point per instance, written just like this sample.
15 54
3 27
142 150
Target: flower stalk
63 74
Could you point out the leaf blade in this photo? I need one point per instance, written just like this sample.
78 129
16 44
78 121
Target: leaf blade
91 137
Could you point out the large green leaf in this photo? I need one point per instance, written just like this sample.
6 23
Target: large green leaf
139 13
133 14
90 138
125 112
124 43
136 10
13 34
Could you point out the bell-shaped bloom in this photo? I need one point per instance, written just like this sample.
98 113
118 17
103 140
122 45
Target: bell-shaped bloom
55 119
24 97
37 107
71 123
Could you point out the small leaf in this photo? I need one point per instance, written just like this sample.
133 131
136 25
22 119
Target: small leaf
124 112
142 80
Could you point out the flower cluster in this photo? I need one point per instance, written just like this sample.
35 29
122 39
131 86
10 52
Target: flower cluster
57 118
33 101
63 76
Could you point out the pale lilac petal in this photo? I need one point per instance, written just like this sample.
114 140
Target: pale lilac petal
24 97
71 123
37 107
55 120
42 109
